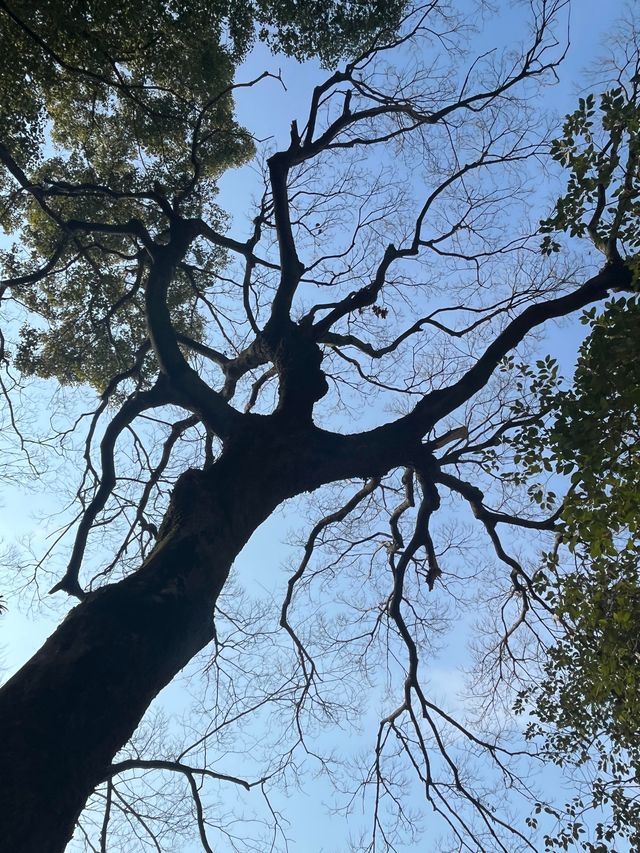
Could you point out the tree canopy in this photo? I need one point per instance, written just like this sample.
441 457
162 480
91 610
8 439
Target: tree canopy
370 349
587 701
586 705
133 104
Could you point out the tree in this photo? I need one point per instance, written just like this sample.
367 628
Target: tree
129 282
586 705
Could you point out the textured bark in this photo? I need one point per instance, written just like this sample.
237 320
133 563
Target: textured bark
67 712
79 699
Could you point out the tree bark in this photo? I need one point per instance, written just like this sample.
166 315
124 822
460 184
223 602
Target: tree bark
79 699
69 710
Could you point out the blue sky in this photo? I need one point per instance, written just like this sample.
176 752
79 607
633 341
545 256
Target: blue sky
267 111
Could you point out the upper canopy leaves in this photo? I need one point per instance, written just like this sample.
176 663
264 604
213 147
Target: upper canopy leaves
119 82
116 111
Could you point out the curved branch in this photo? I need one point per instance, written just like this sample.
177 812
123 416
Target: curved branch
332 518
157 396
39 274
474 496
491 519
189 389
177 430
257 386
203 229
438 404
176 767
202 349
33 189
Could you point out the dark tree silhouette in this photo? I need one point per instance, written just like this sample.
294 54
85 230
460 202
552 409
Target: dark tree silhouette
240 347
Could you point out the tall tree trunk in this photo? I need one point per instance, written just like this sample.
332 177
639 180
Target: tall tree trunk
69 710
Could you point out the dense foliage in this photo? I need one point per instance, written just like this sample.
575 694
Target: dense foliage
136 98
586 707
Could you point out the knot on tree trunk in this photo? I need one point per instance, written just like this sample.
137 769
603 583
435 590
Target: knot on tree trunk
298 360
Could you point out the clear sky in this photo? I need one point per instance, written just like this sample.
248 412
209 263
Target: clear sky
267 112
